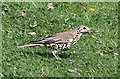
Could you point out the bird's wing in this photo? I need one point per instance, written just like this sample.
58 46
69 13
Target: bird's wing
57 38
48 40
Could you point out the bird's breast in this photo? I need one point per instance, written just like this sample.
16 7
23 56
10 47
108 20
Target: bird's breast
76 38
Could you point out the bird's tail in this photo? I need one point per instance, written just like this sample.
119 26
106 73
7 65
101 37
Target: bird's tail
30 45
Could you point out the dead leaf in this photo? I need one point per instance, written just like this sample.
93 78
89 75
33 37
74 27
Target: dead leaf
80 3
33 25
50 5
58 16
75 51
23 48
42 73
32 33
74 71
83 43
82 9
63 24
115 53
115 32
14 6
79 74
23 13
80 48
97 31
93 70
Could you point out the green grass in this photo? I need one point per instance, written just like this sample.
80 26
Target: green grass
39 62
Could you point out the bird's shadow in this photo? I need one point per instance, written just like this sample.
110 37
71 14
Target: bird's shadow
50 55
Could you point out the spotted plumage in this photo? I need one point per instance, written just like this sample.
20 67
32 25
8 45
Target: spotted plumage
61 41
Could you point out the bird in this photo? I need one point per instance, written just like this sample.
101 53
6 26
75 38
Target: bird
60 41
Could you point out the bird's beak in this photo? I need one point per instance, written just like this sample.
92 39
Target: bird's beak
89 31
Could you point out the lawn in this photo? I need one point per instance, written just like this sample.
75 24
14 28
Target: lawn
90 57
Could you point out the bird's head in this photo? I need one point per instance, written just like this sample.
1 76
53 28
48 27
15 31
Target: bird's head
83 29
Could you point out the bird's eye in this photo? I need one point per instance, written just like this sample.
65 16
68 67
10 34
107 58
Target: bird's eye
84 28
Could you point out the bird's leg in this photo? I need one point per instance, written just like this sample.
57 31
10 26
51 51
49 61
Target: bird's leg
55 53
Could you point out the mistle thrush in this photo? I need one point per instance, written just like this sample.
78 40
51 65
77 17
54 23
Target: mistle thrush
61 41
